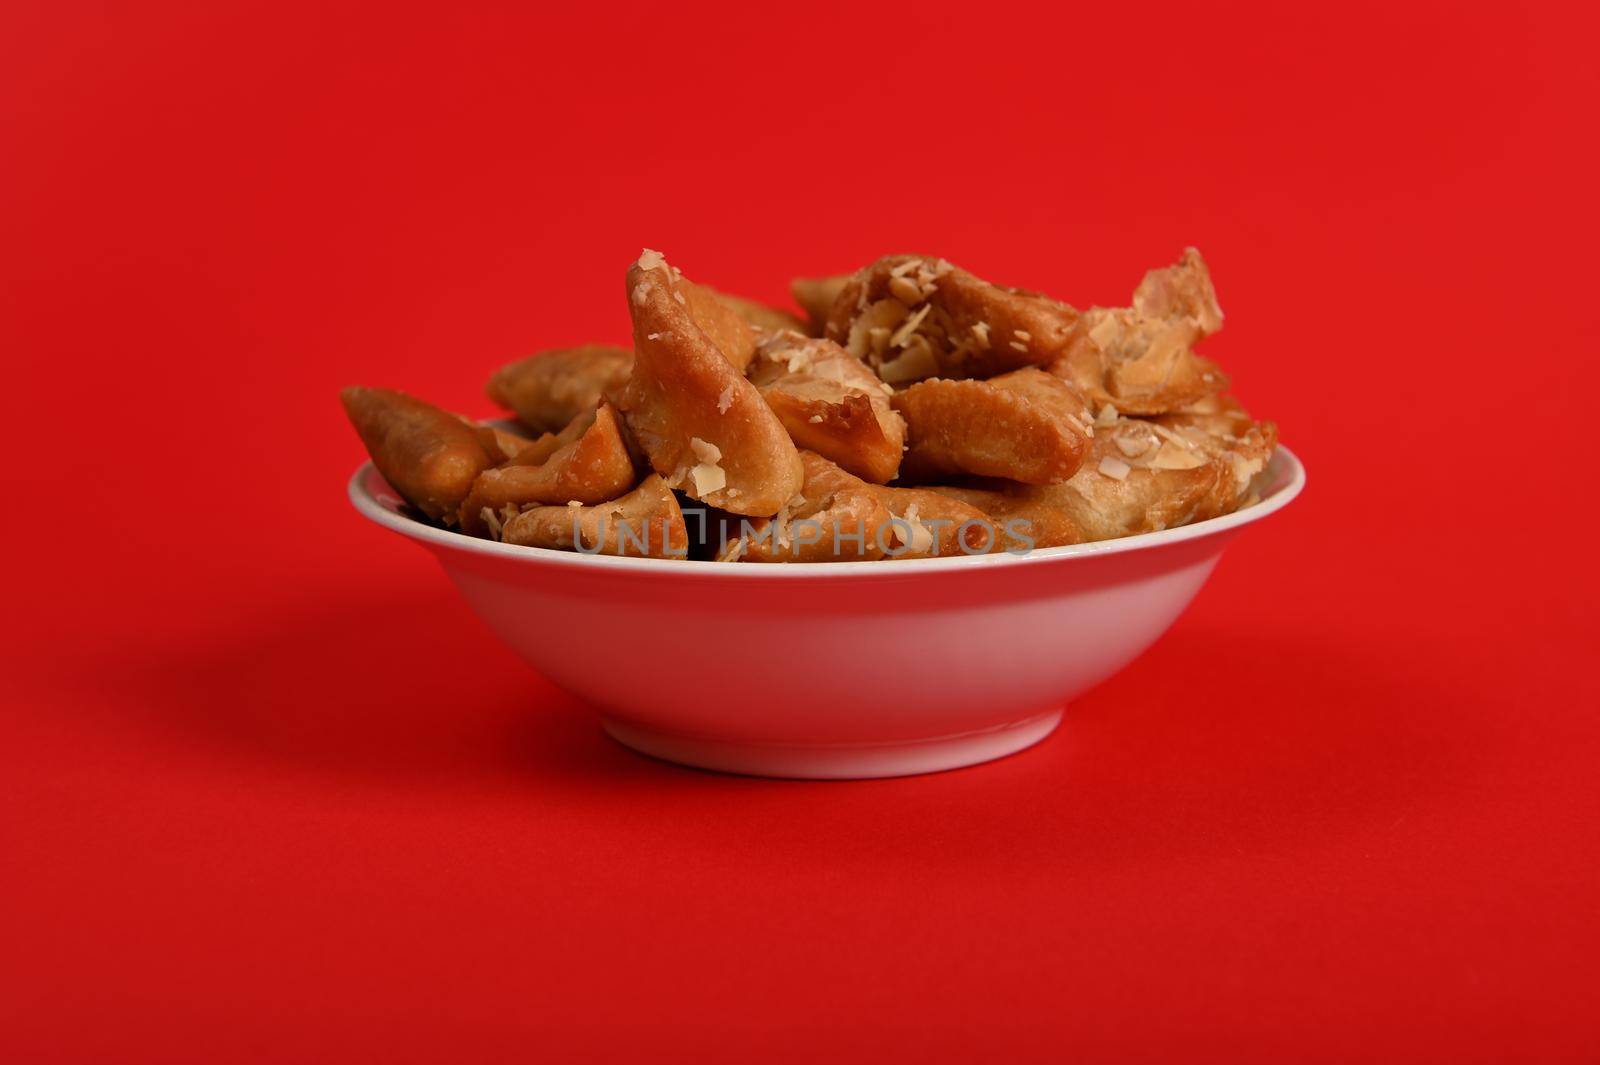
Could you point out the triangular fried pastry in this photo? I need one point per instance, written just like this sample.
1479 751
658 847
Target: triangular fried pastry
913 317
704 428
1024 426
830 403
546 391
717 316
594 468
645 523
429 455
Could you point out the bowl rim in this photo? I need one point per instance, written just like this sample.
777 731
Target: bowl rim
1290 478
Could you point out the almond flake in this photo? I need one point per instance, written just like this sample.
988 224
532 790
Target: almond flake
1169 457
903 334
1114 468
905 290
704 450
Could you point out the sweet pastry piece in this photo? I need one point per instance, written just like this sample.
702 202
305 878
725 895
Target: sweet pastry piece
912 317
830 403
430 456
702 426
1219 427
765 319
645 523
1021 523
594 468
836 517
718 318
501 445
1142 476
1180 291
546 391
538 452
1141 359
816 296
931 525
1024 426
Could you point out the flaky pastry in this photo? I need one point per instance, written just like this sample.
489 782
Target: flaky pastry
831 403
1141 477
1141 359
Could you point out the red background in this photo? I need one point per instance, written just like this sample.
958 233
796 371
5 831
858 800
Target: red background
272 794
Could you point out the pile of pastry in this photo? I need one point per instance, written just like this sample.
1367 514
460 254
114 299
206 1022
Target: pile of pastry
916 411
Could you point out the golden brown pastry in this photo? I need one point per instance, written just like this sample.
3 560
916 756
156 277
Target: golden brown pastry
1219 427
765 319
1024 426
816 296
1021 524
538 452
912 317
594 468
502 446
835 518
430 456
838 517
721 322
1182 290
1144 477
645 523
546 391
830 403
930 525
1141 359
703 427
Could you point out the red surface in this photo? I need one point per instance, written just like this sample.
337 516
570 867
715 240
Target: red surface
271 794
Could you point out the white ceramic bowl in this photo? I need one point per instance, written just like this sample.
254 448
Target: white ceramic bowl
833 670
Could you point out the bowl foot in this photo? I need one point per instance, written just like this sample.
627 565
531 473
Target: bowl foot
842 762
